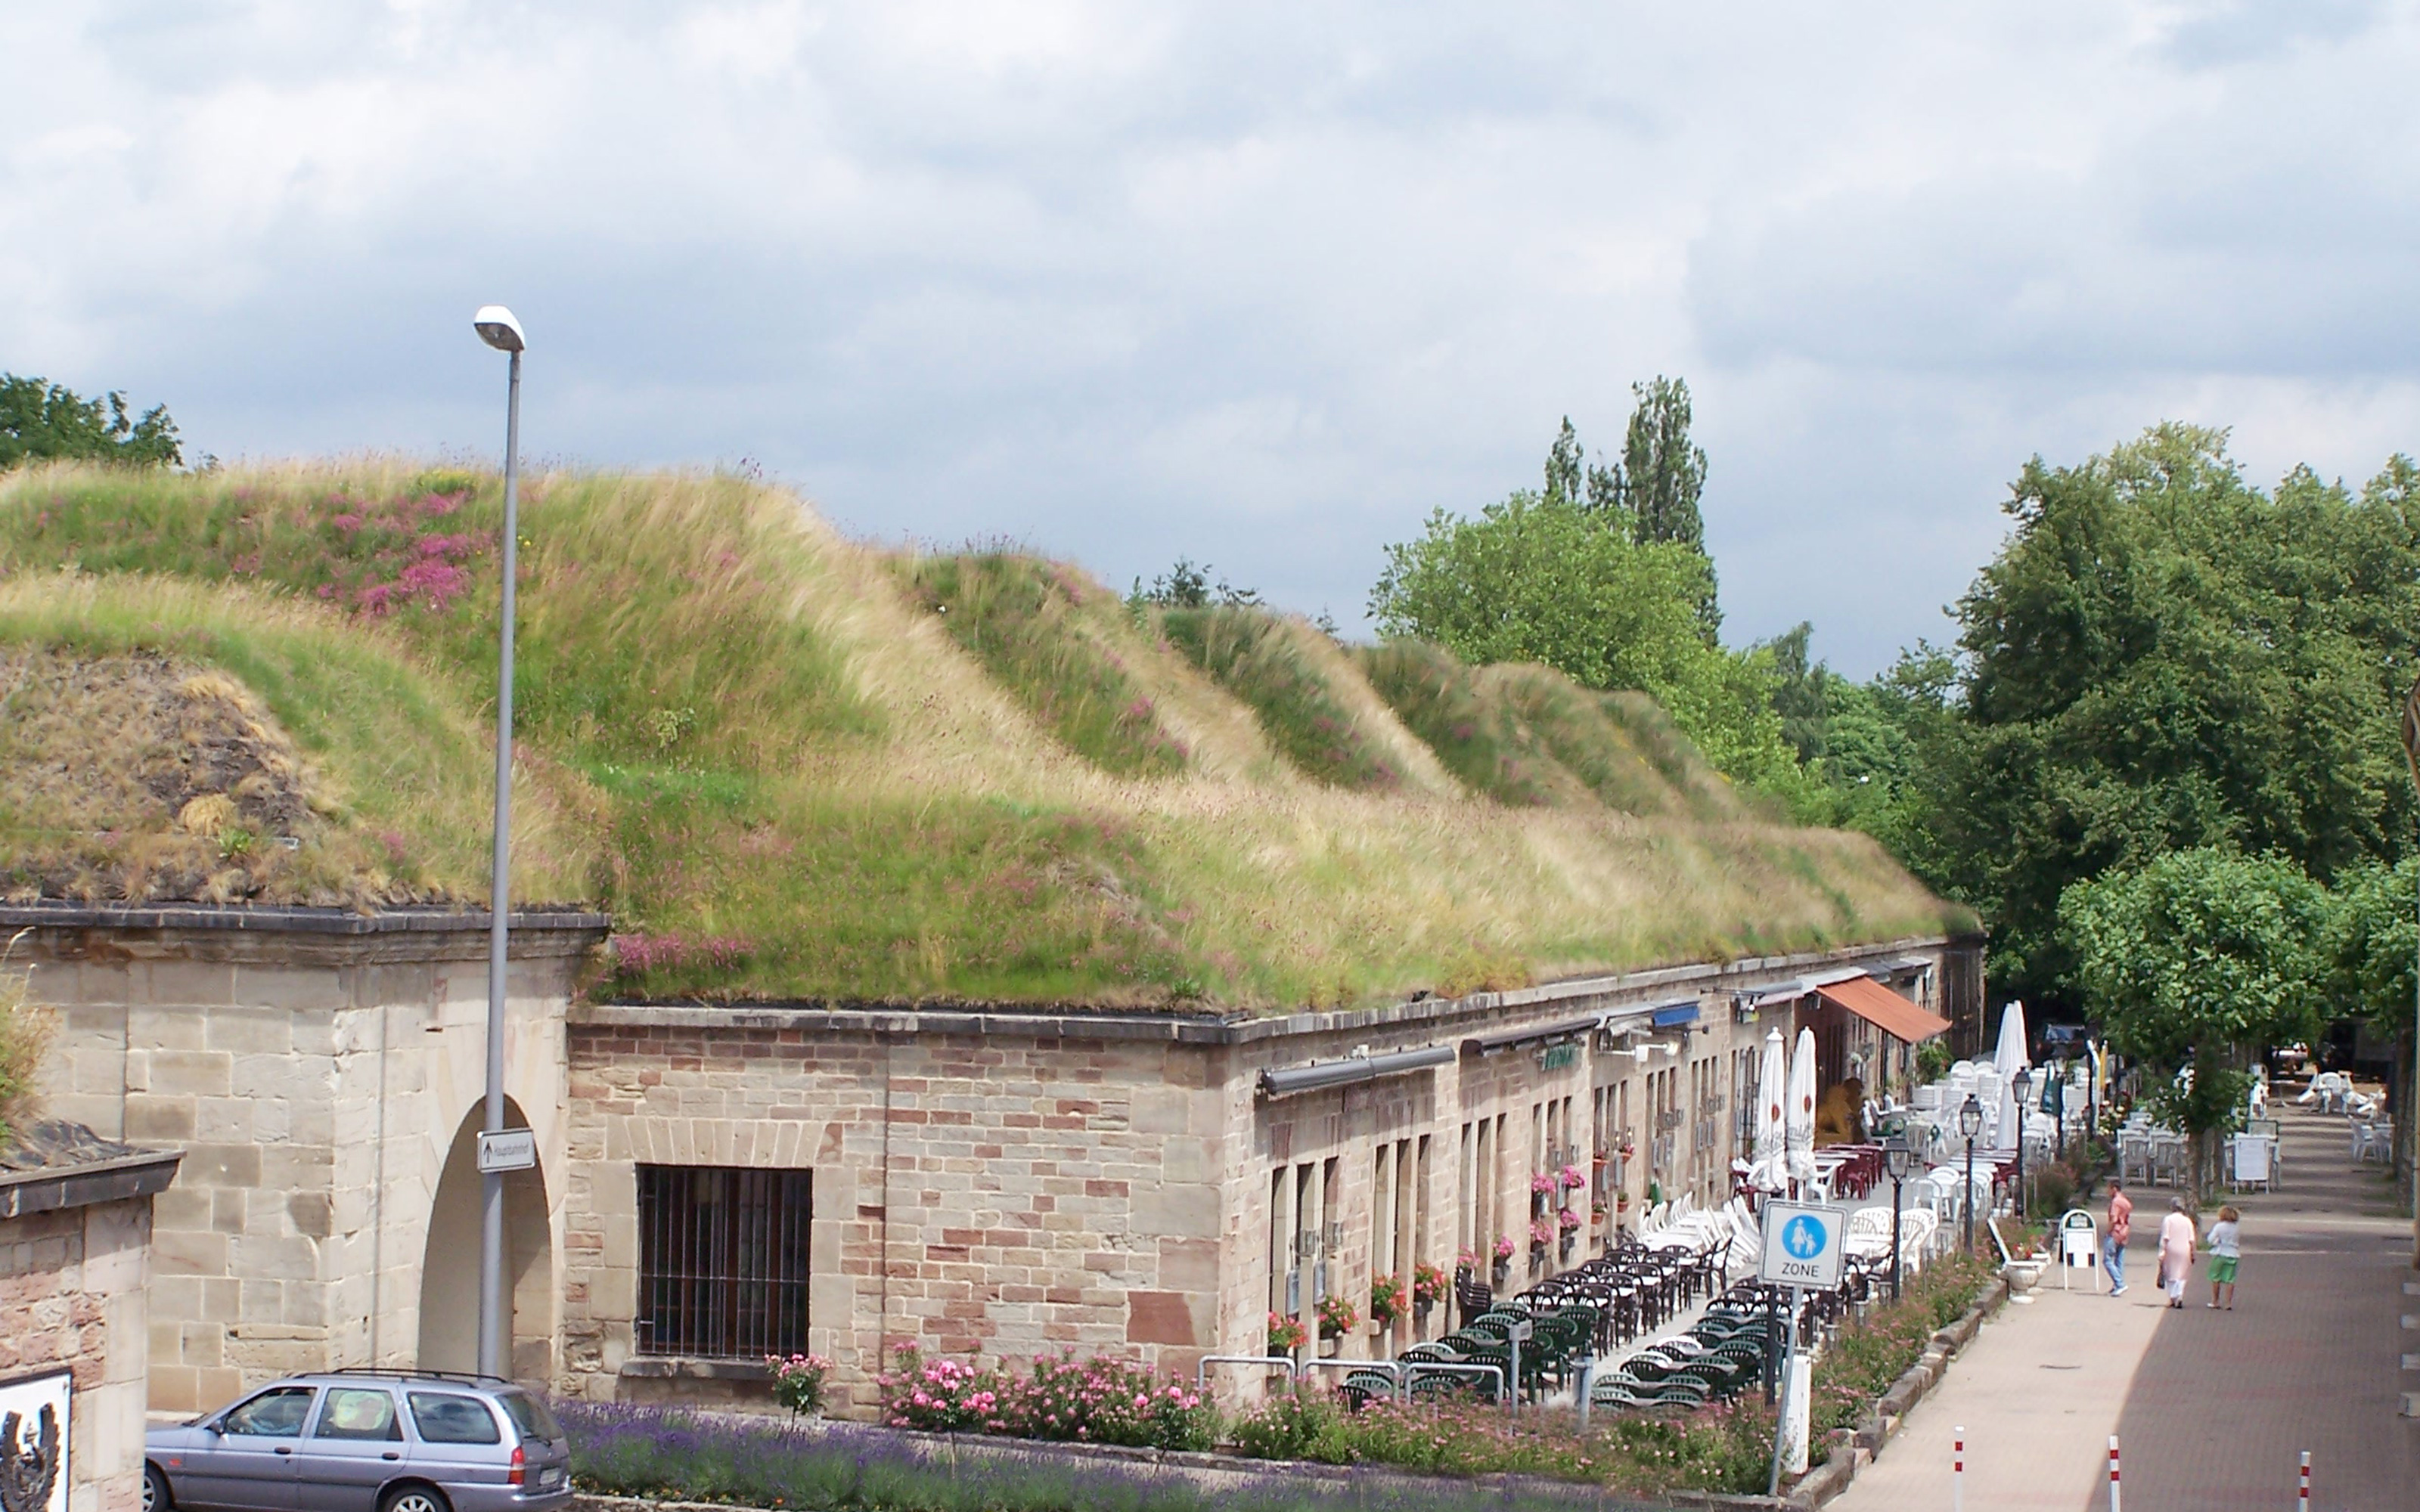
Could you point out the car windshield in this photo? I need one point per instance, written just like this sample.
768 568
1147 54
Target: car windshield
530 1416
445 1418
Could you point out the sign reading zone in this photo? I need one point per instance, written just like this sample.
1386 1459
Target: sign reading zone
1802 1244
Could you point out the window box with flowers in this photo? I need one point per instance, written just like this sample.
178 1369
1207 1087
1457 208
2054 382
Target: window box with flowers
1567 1224
1385 1302
1503 1266
1338 1316
1429 1287
1286 1333
1542 1236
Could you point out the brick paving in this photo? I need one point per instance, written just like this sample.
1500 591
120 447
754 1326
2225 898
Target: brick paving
2211 1407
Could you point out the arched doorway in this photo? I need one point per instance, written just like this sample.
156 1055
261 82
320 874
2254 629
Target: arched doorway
449 1273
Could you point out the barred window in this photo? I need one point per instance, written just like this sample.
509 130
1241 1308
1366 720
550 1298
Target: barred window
722 1262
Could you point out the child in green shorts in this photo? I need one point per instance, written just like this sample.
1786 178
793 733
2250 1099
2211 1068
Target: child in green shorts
2226 1247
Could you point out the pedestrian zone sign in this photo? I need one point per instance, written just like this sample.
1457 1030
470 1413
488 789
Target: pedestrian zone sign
1802 1244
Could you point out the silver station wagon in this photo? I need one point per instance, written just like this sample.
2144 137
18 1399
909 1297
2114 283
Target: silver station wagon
365 1441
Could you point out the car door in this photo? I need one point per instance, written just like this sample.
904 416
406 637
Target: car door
248 1465
354 1446
459 1443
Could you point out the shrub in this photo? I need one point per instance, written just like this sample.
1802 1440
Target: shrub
2054 1189
1090 1401
799 1380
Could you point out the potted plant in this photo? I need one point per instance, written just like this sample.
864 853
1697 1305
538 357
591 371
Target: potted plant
1503 1266
1336 1316
1429 1287
1567 1224
1574 1179
1286 1333
1385 1300
798 1381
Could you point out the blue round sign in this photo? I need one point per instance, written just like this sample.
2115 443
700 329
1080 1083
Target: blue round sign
1803 1238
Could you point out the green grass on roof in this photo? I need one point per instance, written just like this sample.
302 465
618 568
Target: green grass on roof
789 773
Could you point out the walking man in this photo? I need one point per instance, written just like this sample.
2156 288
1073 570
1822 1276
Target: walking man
2121 1224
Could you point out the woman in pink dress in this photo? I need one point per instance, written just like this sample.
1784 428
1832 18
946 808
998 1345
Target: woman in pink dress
2177 1239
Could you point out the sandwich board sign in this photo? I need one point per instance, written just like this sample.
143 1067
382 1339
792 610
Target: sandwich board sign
1802 1244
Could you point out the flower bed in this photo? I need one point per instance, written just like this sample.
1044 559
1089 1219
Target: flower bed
1716 1449
1087 1401
1866 1357
666 1455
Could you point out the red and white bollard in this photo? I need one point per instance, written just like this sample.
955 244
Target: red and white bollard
2113 1472
1958 1474
2303 1497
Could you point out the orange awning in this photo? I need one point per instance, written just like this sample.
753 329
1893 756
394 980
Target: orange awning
1884 1009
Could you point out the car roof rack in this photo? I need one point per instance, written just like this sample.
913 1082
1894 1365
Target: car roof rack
468 1377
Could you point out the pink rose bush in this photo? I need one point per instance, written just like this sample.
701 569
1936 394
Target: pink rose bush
1086 1401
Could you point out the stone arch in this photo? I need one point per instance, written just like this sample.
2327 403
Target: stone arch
449 1275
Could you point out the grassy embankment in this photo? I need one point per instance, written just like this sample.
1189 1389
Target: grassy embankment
793 767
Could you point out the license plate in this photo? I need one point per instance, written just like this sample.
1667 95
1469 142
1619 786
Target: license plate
550 1477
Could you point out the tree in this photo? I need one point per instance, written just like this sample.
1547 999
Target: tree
2200 958
1533 579
1563 467
1660 477
1663 473
2373 972
1187 586
2163 657
41 421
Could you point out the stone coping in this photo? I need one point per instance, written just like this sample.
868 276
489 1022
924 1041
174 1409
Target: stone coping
271 919
50 1188
1444 1013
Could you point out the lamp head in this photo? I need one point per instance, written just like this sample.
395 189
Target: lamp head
498 328
1898 1157
2023 1080
1970 1117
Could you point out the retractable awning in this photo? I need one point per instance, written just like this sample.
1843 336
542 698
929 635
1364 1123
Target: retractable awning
1783 992
1320 1075
1884 1009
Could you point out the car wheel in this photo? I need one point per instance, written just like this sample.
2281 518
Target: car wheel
155 1491
415 1499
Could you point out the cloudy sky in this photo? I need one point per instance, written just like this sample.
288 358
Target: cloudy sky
1257 283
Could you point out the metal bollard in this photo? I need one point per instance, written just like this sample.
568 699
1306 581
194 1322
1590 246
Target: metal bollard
2302 1498
2113 1473
1958 1473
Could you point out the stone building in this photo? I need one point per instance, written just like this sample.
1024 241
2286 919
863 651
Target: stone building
719 1182
75 1230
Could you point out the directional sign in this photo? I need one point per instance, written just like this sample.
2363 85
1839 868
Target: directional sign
507 1150
1517 1332
1802 1244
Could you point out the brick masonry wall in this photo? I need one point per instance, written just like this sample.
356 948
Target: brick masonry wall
72 1294
993 1194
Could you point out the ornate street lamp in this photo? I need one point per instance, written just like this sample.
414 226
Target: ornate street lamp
2024 1084
1899 1159
1970 1123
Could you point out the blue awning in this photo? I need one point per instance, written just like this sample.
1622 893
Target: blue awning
1676 1013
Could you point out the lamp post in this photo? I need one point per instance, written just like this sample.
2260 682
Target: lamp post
1899 1159
2023 1081
498 328
1970 1123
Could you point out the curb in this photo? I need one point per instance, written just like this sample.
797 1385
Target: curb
1854 1448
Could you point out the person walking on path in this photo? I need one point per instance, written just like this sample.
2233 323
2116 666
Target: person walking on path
2226 1248
2177 1239
2121 1228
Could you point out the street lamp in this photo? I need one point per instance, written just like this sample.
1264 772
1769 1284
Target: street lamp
1899 1159
1970 1123
498 328
2024 1084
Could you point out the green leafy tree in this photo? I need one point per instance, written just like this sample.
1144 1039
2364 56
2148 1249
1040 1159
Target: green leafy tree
1188 586
2371 948
40 422
2161 657
1531 579
1563 467
1662 476
2203 958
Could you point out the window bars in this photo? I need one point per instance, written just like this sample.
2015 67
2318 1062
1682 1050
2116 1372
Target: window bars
722 1262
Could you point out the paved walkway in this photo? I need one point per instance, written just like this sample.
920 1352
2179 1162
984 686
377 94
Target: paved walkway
2211 1407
